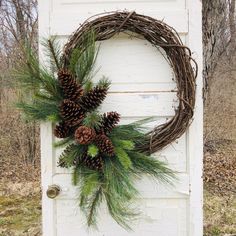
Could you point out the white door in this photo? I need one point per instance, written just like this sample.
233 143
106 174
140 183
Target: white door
142 86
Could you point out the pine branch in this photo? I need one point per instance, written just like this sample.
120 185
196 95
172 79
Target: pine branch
121 211
93 150
39 110
119 180
83 58
88 85
124 144
53 52
41 95
90 194
130 132
146 165
123 157
71 155
27 72
92 120
104 82
91 217
30 76
64 142
75 176
120 193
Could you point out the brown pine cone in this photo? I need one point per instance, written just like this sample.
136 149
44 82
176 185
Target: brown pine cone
93 98
109 121
62 163
70 88
104 144
84 135
62 130
63 159
93 163
71 112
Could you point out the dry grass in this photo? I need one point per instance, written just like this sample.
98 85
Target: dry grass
20 209
219 215
219 167
220 108
19 142
220 188
20 215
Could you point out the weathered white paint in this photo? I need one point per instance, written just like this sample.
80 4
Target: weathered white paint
142 85
195 141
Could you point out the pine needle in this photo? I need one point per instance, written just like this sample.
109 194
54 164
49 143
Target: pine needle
30 76
53 51
93 207
104 82
146 165
120 193
75 176
38 110
123 157
83 58
88 86
93 120
71 154
64 142
93 150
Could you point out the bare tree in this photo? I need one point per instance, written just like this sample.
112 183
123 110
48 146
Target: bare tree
232 20
18 26
218 22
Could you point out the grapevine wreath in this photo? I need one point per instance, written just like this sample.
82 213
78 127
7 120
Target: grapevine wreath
106 158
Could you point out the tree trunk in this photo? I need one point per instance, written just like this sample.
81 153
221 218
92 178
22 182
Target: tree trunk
215 39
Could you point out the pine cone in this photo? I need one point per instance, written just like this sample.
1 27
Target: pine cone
62 130
109 121
62 163
71 89
63 159
93 163
93 98
104 144
71 112
84 135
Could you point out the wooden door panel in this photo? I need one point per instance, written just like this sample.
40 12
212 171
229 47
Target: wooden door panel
153 73
64 25
157 214
142 86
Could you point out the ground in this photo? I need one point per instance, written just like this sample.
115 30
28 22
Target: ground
20 209
219 215
220 188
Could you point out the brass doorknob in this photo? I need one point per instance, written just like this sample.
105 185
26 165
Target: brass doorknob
53 191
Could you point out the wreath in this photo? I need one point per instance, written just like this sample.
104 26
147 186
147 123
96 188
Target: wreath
107 158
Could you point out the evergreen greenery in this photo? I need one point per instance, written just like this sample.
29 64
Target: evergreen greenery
52 51
40 110
123 157
93 150
64 142
83 58
92 120
115 183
